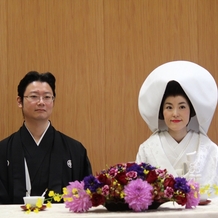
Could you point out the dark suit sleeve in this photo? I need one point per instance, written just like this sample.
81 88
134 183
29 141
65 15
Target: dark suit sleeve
4 195
87 164
81 166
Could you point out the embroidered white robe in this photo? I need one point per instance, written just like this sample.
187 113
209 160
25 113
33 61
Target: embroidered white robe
206 163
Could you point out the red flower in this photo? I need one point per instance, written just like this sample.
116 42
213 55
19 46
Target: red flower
129 164
121 178
181 200
104 179
169 182
152 176
97 199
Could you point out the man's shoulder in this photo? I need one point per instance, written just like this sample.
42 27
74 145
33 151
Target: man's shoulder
7 139
69 140
66 137
6 142
12 136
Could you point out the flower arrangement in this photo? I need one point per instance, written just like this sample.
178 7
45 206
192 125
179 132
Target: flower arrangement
137 185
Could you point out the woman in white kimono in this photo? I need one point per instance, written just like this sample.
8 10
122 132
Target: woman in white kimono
179 119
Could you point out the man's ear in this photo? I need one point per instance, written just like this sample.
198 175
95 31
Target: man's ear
19 102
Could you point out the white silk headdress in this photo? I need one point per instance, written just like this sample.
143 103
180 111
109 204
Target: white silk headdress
198 84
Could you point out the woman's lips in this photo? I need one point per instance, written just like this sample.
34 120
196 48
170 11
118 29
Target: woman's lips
175 121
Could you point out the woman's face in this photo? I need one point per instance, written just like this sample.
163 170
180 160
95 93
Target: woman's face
176 112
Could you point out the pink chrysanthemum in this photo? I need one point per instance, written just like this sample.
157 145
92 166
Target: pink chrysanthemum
138 194
193 197
77 199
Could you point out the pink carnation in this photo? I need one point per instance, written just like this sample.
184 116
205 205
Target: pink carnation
105 190
138 194
131 174
168 192
113 171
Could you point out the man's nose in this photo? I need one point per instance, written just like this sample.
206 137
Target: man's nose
41 99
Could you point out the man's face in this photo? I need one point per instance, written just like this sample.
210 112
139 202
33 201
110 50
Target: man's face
37 102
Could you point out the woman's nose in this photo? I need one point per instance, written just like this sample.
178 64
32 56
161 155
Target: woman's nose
175 112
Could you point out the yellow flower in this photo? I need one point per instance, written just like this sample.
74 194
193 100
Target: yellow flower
68 199
88 191
51 194
146 171
122 194
65 191
204 189
48 204
39 203
28 211
57 198
74 191
28 206
36 210
216 189
209 190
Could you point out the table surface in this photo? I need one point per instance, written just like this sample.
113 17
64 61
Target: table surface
169 209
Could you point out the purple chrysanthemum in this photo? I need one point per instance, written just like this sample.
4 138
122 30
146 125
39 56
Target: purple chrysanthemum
193 197
77 200
181 184
138 194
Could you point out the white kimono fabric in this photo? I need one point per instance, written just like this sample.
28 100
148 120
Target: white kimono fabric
161 149
205 164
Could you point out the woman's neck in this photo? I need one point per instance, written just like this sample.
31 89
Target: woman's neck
178 135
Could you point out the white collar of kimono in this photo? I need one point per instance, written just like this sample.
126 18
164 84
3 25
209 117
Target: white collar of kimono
198 84
38 143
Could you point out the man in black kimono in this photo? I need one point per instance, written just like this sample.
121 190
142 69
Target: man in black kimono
38 157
